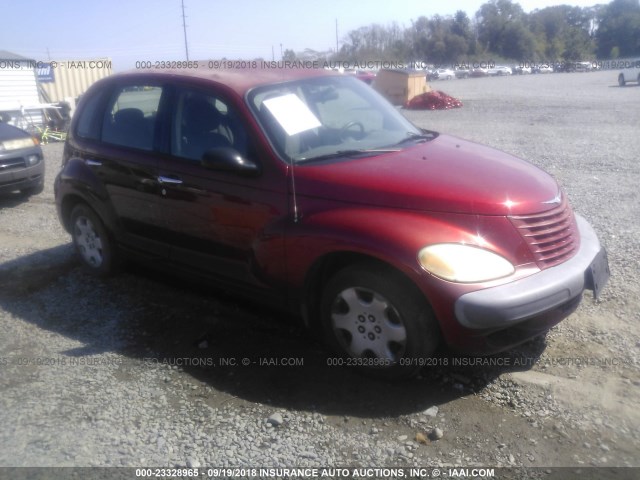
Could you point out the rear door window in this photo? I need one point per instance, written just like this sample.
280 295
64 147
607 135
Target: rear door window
130 117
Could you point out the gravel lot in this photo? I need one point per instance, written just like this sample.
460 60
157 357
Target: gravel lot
102 372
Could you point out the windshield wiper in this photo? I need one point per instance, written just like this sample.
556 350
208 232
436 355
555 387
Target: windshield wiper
348 153
416 137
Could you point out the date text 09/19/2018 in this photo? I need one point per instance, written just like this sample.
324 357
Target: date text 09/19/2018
314 472
266 65
488 361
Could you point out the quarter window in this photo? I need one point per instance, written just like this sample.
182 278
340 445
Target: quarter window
90 118
130 117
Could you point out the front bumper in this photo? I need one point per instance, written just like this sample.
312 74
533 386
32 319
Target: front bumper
15 175
549 295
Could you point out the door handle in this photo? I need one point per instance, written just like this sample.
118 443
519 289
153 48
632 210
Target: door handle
169 180
93 163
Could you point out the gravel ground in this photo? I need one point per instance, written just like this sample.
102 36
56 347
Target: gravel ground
138 370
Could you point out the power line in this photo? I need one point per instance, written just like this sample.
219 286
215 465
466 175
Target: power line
184 27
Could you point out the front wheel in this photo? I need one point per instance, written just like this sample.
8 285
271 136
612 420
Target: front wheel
379 321
92 241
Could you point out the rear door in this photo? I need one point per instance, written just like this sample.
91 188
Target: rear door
127 158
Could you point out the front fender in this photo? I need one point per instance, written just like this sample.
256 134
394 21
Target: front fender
393 236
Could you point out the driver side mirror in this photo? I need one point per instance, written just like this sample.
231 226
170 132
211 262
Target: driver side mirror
225 159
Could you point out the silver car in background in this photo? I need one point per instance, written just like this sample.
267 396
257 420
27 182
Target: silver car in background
631 73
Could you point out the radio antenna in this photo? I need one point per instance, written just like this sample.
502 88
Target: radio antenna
293 191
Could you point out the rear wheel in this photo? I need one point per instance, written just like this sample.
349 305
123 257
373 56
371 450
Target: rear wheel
92 241
621 81
376 318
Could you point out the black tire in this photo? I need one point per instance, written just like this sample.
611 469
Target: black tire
92 241
621 81
397 327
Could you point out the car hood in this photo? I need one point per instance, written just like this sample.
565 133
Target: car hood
9 132
446 174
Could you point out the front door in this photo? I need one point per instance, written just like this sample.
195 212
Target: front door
220 223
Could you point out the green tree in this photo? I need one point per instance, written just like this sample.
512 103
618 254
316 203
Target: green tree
374 42
418 36
502 30
461 27
289 55
619 29
440 39
562 32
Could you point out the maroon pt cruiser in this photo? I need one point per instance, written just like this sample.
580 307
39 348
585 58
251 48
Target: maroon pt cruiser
308 191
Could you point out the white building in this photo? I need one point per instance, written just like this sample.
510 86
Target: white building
19 99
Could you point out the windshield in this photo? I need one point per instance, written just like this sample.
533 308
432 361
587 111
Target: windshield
329 116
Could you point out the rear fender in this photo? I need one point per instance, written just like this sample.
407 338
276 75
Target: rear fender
76 183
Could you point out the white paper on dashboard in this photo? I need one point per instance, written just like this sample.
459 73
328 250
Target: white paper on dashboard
292 114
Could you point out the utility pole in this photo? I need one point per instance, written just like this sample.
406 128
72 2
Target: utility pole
184 27
336 36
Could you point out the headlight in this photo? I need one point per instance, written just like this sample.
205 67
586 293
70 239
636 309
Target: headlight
463 263
17 144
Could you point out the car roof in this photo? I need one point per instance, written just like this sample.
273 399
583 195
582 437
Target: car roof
240 80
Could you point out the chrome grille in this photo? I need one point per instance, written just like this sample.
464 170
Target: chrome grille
11 163
552 236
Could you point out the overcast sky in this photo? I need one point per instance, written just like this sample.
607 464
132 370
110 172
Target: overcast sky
247 29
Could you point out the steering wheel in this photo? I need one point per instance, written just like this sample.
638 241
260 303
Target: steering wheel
345 131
